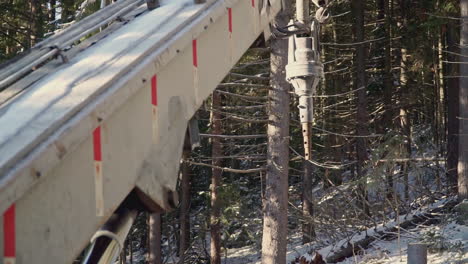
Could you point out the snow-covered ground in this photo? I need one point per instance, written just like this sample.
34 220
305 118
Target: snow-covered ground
449 245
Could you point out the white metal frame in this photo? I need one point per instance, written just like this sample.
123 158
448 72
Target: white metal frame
48 166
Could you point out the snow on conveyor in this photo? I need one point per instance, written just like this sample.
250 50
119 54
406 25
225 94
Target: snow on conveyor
31 117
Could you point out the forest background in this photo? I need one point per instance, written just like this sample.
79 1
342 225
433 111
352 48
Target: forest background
385 136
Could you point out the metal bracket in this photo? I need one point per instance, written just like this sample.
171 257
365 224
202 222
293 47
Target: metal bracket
194 133
152 4
59 53
286 32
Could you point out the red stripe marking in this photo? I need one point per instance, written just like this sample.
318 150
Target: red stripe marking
230 19
154 90
97 144
253 3
9 247
194 51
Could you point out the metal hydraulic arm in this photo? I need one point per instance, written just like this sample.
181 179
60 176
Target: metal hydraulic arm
304 68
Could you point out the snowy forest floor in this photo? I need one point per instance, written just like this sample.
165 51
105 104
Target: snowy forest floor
448 244
446 237
338 224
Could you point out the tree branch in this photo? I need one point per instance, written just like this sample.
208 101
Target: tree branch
233 136
228 169
243 85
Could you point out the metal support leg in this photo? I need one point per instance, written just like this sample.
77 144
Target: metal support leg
417 253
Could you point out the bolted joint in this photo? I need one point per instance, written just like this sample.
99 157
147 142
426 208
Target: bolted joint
303 58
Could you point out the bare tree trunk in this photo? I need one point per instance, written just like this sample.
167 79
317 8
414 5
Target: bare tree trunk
405 126
362 115
452 105
442 80
176 242
463 139
34 11
404 122
388 77
334 142
275 207
130 247
439 101
154 252
52 13
67 11
185 208
406 148
308 228
384 16
215 213
40 21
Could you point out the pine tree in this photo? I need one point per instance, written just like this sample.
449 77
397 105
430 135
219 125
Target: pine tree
275 216
155 251
215 210
463 135
362 115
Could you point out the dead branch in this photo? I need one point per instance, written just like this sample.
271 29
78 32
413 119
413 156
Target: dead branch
251 77
234 136
243 85
228 169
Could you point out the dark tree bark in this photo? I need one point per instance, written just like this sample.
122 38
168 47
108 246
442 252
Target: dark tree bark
384 16
463 135
275 207
308 228
452 108
404 121
154 253
334 85
67 10
36 22
362 115
184 208
405 125
130 247
215 212
52 13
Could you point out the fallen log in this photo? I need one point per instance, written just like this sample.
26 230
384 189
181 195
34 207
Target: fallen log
354 245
